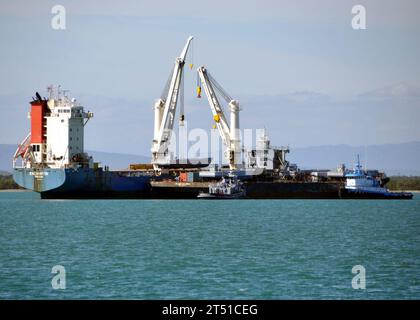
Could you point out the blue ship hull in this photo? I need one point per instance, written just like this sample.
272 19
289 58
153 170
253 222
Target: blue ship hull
83 183
365 194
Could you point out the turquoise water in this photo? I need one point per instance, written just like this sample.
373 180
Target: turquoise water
244 249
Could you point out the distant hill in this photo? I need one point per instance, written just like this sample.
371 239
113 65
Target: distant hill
6 153
394 159
113 160
117 160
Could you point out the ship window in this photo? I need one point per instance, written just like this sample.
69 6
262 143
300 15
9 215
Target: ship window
62 120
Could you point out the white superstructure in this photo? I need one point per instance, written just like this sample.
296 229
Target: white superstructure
65 131
266 156
359 180
57 133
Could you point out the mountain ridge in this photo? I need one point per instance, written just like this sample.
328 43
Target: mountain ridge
393 158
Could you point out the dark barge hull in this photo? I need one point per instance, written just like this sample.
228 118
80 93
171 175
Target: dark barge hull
293 190
354 194
254 190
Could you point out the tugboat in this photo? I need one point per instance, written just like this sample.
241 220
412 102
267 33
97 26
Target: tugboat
359 185
227 188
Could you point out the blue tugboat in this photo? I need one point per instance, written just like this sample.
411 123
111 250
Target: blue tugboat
359 185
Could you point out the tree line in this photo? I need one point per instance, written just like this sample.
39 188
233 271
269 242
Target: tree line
7 182
404 183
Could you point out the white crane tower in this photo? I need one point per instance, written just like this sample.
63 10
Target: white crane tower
230 134
165 109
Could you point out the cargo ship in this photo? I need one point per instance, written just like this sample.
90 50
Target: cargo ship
51 159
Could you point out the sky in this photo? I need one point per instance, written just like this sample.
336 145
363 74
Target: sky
298 68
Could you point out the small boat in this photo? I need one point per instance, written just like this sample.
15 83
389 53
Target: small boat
359 185
227 188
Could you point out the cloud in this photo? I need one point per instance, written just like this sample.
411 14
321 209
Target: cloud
398 90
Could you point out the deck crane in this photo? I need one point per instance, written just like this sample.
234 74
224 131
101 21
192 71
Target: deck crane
229 134
165 109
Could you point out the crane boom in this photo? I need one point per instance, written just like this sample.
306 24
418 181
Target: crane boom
165 109
229 134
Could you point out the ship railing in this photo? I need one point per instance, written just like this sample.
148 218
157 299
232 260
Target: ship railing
22 151
280 147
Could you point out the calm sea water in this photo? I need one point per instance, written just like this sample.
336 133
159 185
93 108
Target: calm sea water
244 249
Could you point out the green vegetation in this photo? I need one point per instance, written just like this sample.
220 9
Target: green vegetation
6 182
404 183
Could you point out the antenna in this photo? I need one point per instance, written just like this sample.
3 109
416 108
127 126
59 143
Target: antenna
365 157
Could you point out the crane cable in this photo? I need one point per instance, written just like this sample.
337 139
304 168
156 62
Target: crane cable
181 101
165 91
219 88
192 55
